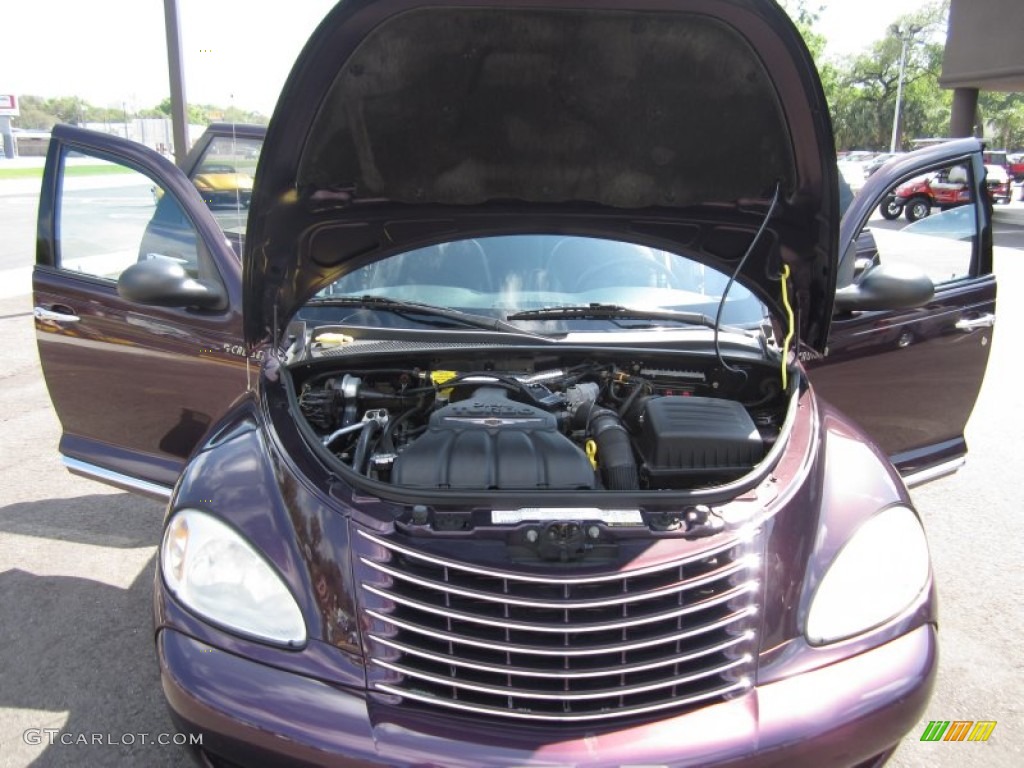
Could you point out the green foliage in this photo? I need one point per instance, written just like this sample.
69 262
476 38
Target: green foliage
805 18
861 89
204 114
1003 117
44 113
37 112
865 100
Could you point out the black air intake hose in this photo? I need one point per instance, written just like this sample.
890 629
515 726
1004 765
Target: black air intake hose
362 454
614 451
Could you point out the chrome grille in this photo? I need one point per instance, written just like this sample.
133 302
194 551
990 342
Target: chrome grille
562 647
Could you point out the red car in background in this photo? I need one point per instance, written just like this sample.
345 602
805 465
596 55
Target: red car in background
1015 167
945 189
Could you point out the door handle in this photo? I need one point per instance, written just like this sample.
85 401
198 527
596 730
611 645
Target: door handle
968 324
44 315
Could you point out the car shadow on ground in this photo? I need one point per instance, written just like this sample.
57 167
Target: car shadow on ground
76 651
104 519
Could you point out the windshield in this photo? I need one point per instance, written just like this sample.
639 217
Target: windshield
502 277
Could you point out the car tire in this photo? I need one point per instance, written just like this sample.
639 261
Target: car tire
917 208
890 209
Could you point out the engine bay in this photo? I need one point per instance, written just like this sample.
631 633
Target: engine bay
512 421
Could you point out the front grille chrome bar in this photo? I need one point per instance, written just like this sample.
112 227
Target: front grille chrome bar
563 604
625 669
587 645
525 693
547 579
524 626
562 651
572 717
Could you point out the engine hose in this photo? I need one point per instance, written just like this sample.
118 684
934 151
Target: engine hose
624 408
614 452
362 454
388 441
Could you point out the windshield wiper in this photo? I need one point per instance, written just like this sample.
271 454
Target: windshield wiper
613 312
413 308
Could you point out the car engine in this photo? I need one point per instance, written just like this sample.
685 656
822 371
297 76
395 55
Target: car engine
584 425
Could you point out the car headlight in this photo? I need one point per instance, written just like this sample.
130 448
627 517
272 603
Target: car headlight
217 574
878 573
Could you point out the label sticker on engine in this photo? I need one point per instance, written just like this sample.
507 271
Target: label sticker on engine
545 514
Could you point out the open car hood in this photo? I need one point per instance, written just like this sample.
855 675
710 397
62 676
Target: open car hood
663 122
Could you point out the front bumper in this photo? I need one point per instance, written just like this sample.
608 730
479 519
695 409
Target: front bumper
844 714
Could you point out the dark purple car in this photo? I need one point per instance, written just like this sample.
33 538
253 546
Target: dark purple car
551 416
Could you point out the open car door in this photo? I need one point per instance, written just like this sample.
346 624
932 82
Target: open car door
137 310
910 375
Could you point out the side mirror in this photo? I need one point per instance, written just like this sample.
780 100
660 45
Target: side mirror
165 283
886 286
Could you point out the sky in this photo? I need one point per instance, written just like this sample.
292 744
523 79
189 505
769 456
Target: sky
112 53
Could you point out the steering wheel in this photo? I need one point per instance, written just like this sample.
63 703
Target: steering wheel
630 272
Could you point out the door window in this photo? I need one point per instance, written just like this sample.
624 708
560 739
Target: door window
224 177
932 225
112 216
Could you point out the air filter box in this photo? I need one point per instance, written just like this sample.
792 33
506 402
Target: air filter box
683 437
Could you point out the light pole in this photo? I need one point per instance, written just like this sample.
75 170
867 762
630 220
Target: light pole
905 34
179 112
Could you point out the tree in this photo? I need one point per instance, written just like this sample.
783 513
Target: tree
1002 114
43 113
204 114
864 100
68 109
35 114
861 89
804 18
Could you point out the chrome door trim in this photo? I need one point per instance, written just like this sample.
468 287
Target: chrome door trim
117 479
923 476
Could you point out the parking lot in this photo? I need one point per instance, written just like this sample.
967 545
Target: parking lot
76 562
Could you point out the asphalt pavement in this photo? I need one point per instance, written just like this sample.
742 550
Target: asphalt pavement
76 569
78 676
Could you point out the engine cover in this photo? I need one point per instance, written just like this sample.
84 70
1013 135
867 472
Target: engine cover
488 441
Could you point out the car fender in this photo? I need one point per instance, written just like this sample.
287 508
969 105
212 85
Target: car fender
238 476
852 480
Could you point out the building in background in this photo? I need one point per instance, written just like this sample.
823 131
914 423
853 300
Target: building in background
984 52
